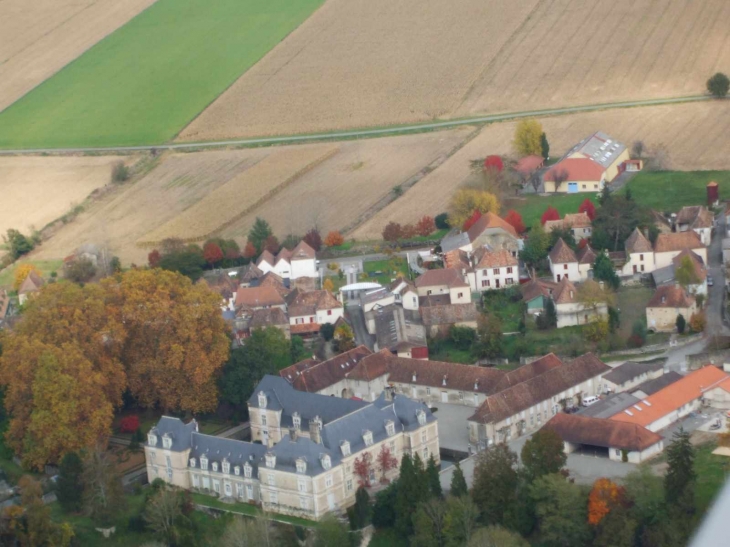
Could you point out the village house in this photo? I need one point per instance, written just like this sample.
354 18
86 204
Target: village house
697 219
405 294
578 223
495 269
527 405
667 275
629 375
536 293
589 165
571 311
445 282
586 258
256 298
668 302
398 329
490 231
301 262
639 255
325 377
620 441
305 464
445 300
225 285
30 285
308 311
667 246
670 404
563 262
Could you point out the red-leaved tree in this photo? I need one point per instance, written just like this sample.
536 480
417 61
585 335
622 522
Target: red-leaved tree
494 163
515 219
313 239
551 213
212 253
362 467
386 461
472 220
153 259
392 232
582 243
271 244
409 231
249 251
426 226
588 207
334 239
130 424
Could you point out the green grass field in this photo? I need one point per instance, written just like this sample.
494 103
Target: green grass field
532 207
145 82
672 190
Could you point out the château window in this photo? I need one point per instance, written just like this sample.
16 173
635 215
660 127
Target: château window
166 442
421 417
345 446
263 419
301 466
262 399
326 461
297 419
367 437
270 461
152 439
247 469
328 481
390 428
204 463
237 470
226 467
192 462
215 467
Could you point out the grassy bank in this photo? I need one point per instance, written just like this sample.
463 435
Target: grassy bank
672 190
532 207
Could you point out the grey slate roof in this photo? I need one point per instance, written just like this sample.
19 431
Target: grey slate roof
664 275
218 448
174 427
454 241
652 386
288 451
630 370
610 406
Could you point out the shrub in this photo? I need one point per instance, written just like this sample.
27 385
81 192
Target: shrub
120 172
698 322
81 271
130 424
327 331
681 324
442 221
718 85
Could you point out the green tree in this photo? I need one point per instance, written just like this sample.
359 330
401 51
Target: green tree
298 351
718 85
617 217
616 529
614 319
462 337
17 243
548 319
429 524
528 137
536 247
489 342
566 234
496 536
384 506
69 489
562 511
462 519
543 453
680 478
544 146
187 261
81 271
248 532
495 483
434 481
362 508
603 270
685 273
331 533
681 323
259 232
458 482
327 331
412 490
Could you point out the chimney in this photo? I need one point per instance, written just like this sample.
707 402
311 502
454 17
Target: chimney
315 430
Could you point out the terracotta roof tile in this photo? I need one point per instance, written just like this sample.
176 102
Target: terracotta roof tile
565 292
315 376
490 221
528 164
304 328
270 279
586 255
530 370
450 277
670 296
267 257
562 253
31 283
303 252
697 262
457 259
371 366
268 317
258 297
308 303
696 217
535 287
677 241
637 243
497 259
577 429
578 169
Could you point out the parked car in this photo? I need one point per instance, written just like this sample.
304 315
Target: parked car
710 282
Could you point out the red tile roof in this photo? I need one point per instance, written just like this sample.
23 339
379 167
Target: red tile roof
258 297
316 376
578 170
586 255
303 251
497 259
577 429
450 277
304 328
670 296
534 288
562 253
697 262
677 241
490 221
674 396
457 259
308 303
267 257
565 292
696 216
637 243
528 164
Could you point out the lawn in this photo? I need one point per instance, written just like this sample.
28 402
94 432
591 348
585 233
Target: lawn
445 350
145 82
712 472
7 276
507 305
671 190
532 207
250 510
631 301
383 271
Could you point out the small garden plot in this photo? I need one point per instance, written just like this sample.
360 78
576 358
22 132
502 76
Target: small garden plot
507 305
384 271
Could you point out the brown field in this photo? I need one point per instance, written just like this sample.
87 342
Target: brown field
38 190
697 136
39 37
332 195
358 63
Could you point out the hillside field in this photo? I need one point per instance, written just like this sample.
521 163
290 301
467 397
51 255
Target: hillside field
147 80
695 135
366 63
39 37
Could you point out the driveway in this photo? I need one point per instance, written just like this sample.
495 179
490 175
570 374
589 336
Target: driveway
716 296
453 426
357 318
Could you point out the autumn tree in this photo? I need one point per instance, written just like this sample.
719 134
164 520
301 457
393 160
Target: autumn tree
592 296
698 321
271 244
551 213
588 207
163 514
493 163
515 219
558 176
249 251
472 220
153 258
392 232
37 528
313 239
260 231
536 247
528 138
467 200
103 492
426 226
23 271
686 273
362 467
489 336
604 497
409 231
543 453
344 337
212 253
334 239
386 461
328 285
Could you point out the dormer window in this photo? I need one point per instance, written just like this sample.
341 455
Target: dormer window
215 467
270 460
367 436
237 470
345 447
226 467
390 428
297 419
326 461
301 466
152 439
203 463
192 462
166 441
262 399
421 417
247 469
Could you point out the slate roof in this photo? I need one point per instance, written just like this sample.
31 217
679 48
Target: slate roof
677 241
180 432
670 296
216 449
610 406
522 396
562 253
448 314
316 376
637 243
308 303
490 221
652 386
258 297
450 277
597 432
451 242
630 370
497 259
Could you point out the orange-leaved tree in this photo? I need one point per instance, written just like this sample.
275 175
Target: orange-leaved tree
426 226
604 497
515 219
23 271
333 239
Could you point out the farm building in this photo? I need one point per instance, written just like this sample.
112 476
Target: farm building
590 165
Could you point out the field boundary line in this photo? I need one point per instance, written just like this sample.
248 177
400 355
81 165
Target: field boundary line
363 133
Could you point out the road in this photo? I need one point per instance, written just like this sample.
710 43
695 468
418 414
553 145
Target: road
363 133
716 293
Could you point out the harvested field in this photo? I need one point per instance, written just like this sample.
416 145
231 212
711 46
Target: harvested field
696 135
38 190
39 37
241 195
332 195
359 63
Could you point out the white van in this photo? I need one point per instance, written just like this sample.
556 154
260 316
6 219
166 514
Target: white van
588 401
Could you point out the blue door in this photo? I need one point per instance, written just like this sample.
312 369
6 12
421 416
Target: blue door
572 187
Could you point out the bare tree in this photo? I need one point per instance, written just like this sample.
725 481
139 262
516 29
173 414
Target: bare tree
535 180
658 159
103 493
637 150
558 176
247 533
162 513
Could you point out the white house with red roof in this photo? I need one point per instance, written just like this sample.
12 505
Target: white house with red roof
588 166
490 230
